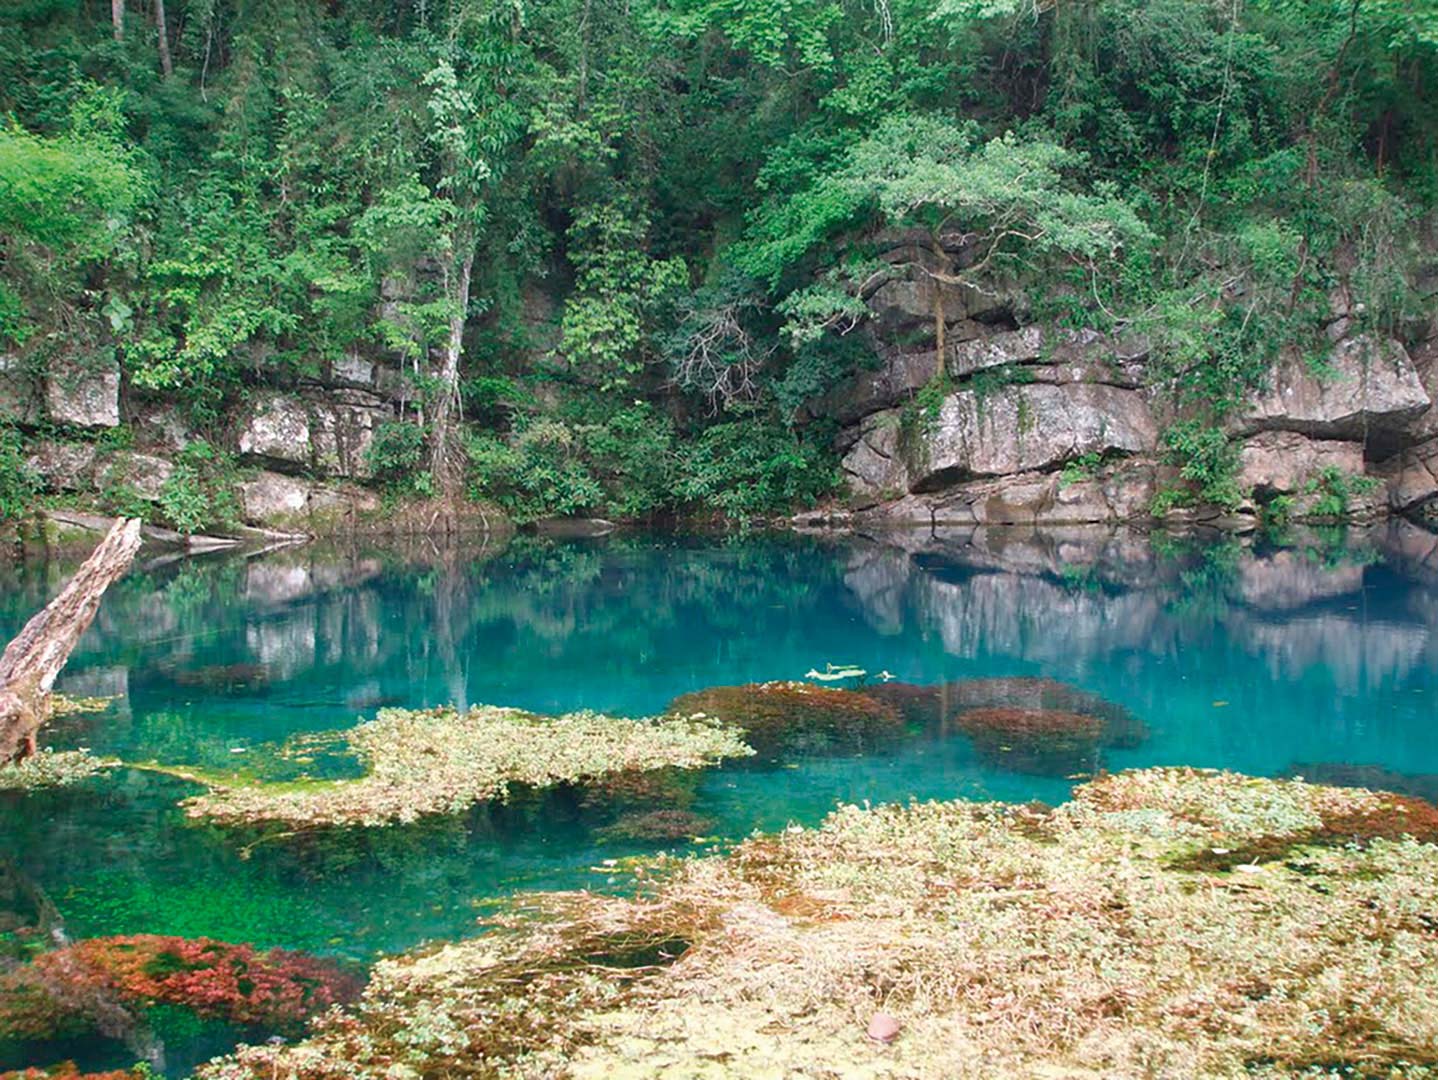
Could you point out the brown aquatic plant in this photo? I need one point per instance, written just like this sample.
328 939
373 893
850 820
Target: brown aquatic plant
782 718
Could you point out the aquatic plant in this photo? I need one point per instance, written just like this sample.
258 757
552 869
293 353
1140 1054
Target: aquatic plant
655 825
442 761
923 707
68 1070
1001 940
80 986
1040 742
1120 728
779 718
52 768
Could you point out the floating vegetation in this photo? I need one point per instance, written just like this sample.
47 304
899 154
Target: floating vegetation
52 769
784 718
88 985
441 761
232 678
1042 742
995 940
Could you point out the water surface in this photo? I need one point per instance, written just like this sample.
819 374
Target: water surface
1314 653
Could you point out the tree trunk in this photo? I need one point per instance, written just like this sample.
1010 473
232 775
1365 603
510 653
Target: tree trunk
117 16
31 662
163 36
444 461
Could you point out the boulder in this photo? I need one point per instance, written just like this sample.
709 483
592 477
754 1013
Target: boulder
1284 462
63 466
1028 427
874 464
1411 476
353 371
277 428
83 393
274 499
143 474
1369 392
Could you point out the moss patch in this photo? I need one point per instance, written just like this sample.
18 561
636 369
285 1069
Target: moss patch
441 761
1006 941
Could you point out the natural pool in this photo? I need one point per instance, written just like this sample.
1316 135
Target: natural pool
1314 653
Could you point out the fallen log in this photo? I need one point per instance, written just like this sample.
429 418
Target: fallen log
30 663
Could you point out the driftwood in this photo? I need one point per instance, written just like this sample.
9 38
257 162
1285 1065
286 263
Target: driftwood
31 662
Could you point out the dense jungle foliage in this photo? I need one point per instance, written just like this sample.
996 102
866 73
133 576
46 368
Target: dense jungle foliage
616 247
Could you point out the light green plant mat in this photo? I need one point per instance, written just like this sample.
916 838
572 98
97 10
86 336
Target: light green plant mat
1006 941
52 769
442 761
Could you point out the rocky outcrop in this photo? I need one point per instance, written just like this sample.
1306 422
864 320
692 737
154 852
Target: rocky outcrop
272 498
1020 429
329 434
83 394
1284 462
1119 492
1369 391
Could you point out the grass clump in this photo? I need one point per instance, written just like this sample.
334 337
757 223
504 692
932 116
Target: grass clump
442 761
1006 941
783 718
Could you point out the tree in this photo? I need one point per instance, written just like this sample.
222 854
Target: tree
1000 203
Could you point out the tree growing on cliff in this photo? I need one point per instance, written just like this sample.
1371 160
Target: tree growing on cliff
986 207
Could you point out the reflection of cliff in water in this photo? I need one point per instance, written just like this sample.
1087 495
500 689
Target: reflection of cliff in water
1092 596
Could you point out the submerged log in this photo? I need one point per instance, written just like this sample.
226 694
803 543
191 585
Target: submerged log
32 661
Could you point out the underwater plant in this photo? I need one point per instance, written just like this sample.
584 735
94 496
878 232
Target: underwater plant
442 761
1001 940
80 987
784 718
1041 742
1120 728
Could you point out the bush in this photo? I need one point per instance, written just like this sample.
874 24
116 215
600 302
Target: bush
18 483
750 467
199 493
396 455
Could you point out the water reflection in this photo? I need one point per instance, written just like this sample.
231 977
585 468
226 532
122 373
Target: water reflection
1314 654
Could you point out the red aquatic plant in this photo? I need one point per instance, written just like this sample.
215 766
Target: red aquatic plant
795 717
1038 741
68 1070
239 984
1119 727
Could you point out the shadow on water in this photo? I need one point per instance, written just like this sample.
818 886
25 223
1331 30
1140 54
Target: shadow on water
998 664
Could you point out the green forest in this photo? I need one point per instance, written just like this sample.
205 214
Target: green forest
617 254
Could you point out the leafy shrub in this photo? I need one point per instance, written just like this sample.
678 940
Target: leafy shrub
396 453
751 466
199 493
18 482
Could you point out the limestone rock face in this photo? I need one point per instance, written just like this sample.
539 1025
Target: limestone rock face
1412 476
342 431
874 464
1373 391
273 498
277 428
1283 462
64 466
897 378
144 474
82 394
1123 492
1022 428
996 350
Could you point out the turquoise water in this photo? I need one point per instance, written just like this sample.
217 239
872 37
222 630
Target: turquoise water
1314 654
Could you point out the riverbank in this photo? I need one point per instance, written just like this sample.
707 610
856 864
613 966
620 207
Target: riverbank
1164 922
